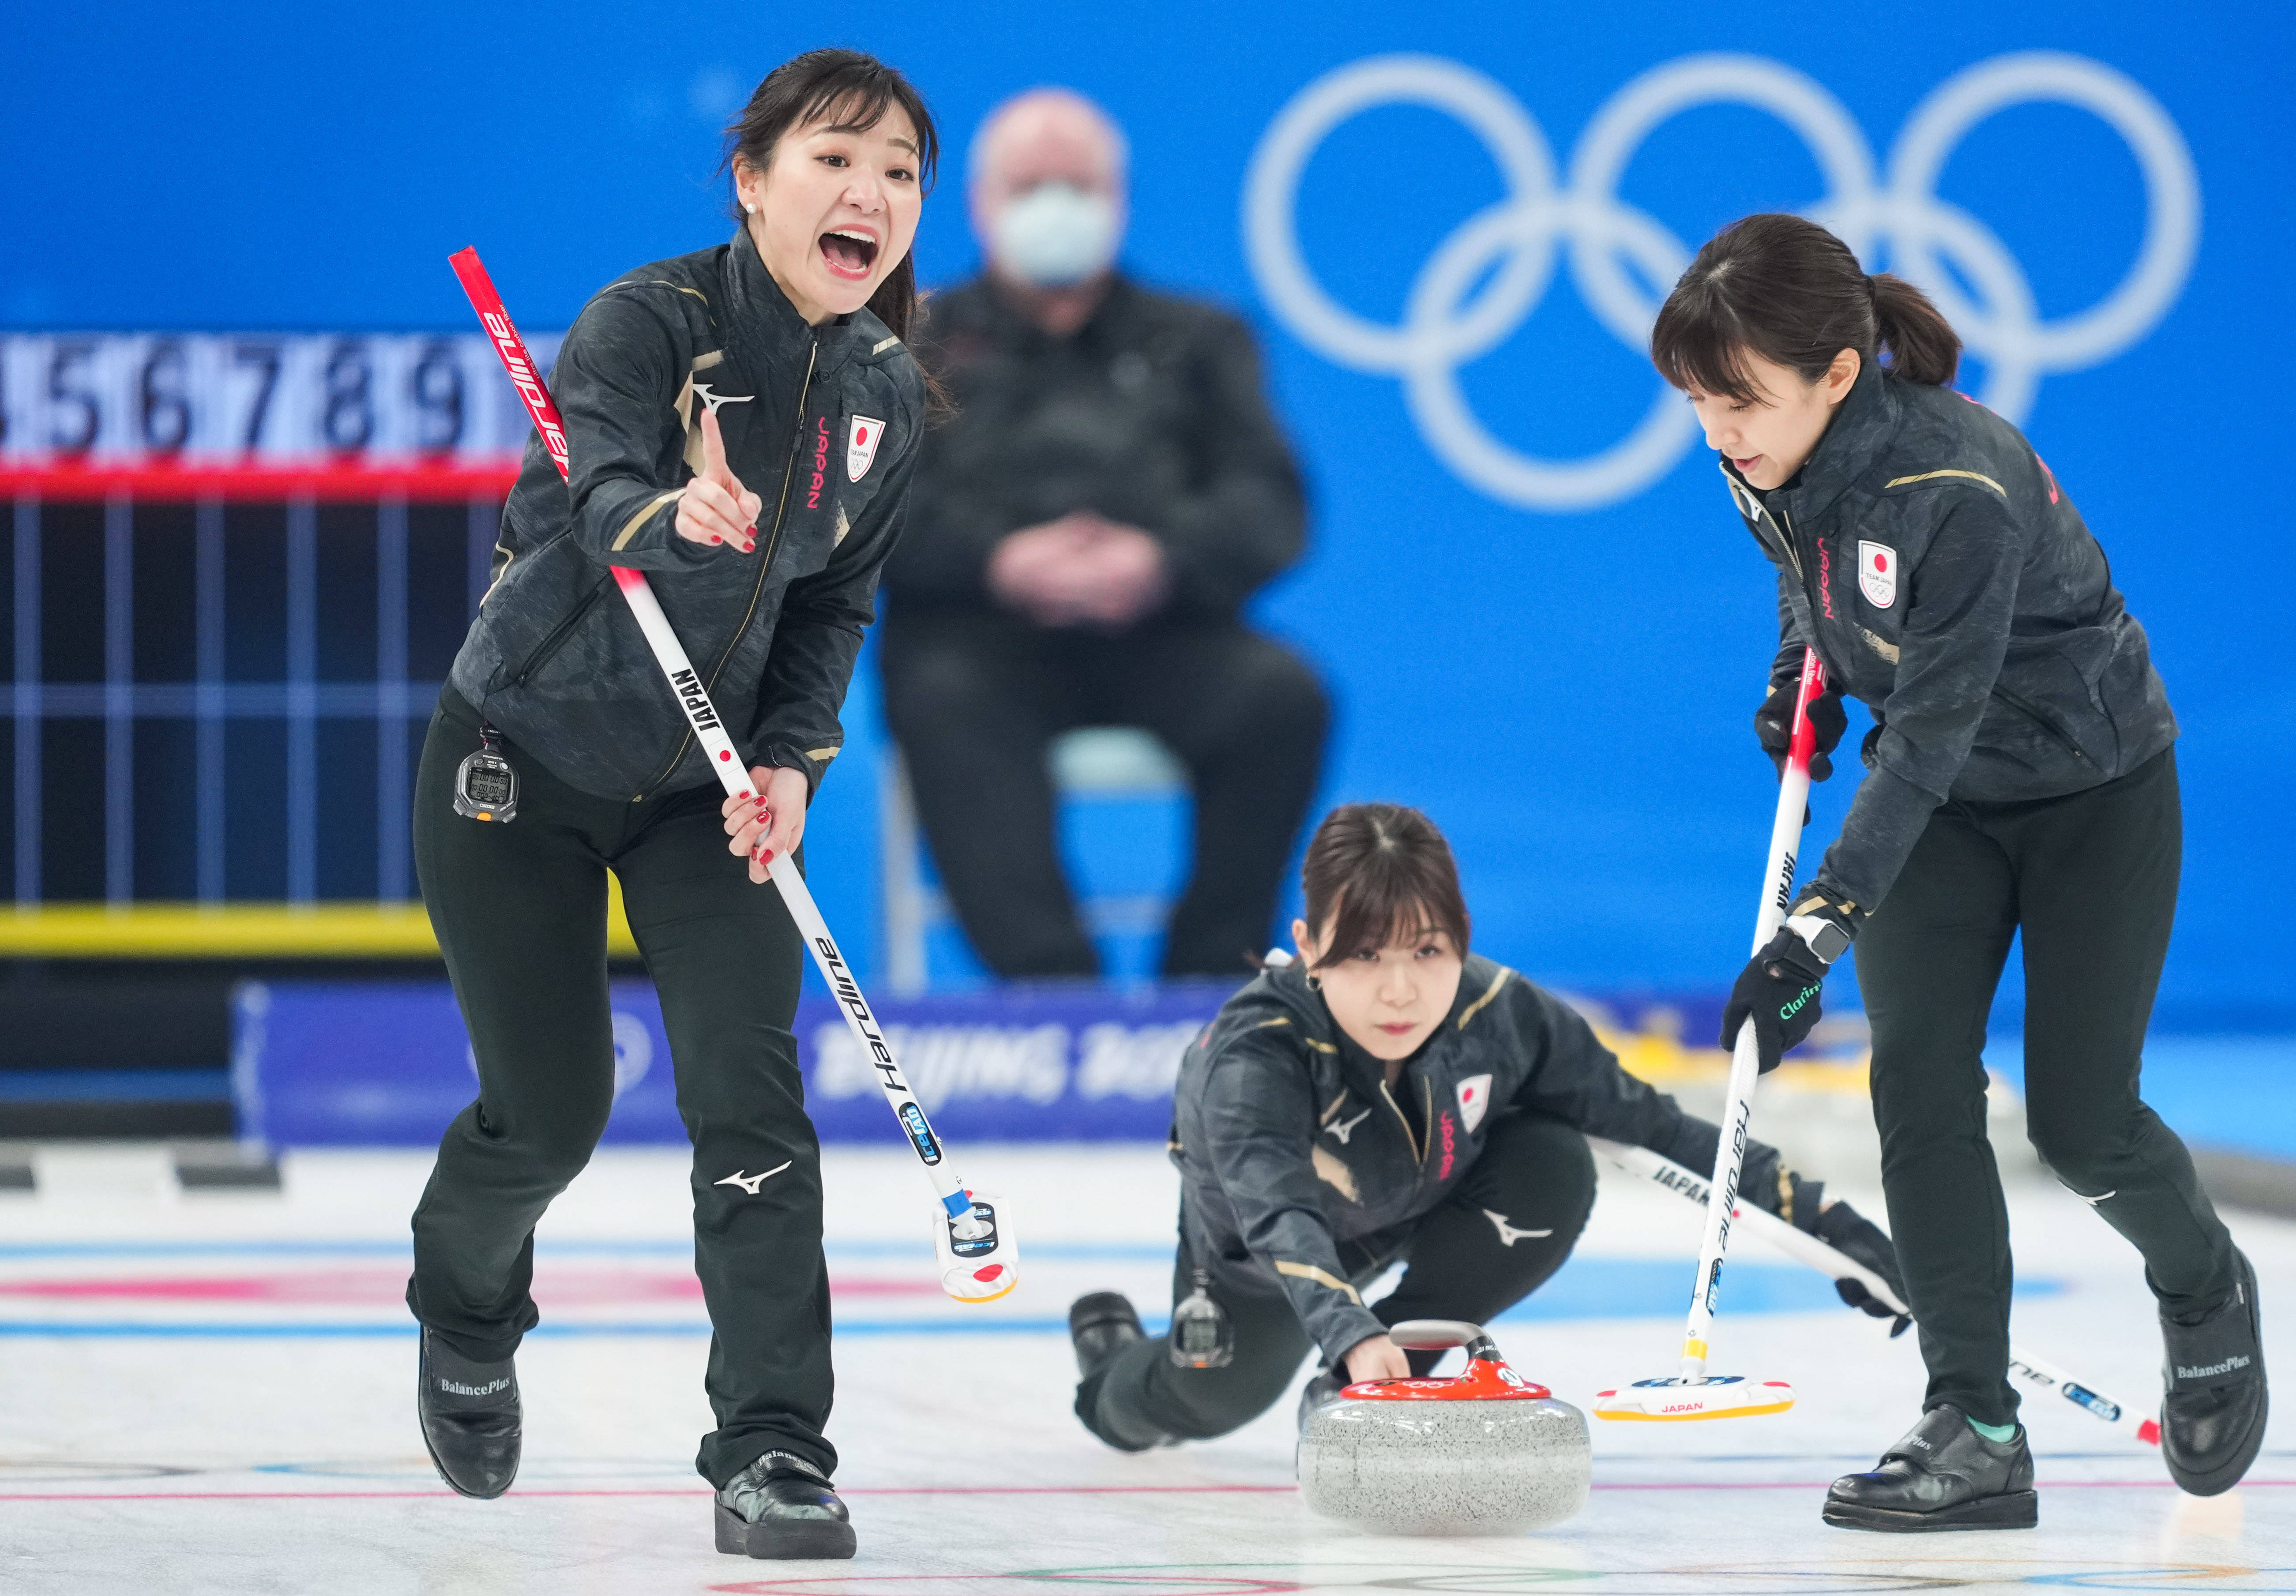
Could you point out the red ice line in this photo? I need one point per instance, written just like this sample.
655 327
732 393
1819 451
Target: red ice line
2056 1485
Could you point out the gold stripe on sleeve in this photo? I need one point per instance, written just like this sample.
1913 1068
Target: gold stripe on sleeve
1933 476
630 528
1308 1272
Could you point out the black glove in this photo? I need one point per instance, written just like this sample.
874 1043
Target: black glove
1778 991
1774 724
1848 1231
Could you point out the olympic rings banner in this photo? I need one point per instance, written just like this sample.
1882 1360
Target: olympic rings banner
1573 219
1445 228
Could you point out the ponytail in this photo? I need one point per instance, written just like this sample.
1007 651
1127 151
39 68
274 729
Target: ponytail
1921 344
1786 290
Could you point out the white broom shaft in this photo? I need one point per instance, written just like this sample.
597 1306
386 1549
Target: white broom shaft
1745 1055
948 1189
1803 1247
685 683
932 1156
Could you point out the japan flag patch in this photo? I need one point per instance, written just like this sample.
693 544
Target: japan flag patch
861 437
1474 1098
1877 573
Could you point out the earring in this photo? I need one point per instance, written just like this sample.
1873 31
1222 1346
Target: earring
1315 983
750 207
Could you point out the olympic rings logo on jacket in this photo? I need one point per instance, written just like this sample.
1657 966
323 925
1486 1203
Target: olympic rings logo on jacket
1898 212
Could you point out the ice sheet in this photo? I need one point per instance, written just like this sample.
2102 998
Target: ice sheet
213 1393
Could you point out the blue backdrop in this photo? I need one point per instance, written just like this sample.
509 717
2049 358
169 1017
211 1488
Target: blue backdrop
1560 669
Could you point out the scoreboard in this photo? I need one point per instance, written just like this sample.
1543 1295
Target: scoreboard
258 400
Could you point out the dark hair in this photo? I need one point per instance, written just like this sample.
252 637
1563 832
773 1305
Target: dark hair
857 89
1790 291
1376 873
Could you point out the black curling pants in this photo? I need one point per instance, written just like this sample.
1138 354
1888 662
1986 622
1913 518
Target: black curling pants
521 914
2090 880
975 700
1536 1174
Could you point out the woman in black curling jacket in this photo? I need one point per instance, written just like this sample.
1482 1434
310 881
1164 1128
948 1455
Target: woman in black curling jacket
2021 779
1388 1096
741 424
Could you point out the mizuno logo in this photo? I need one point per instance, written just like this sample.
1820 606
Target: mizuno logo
703 393
750 1182
1345 1128
1508 1234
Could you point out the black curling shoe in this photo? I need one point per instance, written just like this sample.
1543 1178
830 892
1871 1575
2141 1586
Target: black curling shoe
471 1417
1943 1475
1101 1324
2213 1415
779 1508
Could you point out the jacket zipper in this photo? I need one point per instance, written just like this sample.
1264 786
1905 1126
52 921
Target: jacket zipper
765 567
1816 605
558 634
1793 549
2033 712
1418 1153
1794 554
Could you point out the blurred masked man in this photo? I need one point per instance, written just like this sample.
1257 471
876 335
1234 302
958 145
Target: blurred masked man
1081 538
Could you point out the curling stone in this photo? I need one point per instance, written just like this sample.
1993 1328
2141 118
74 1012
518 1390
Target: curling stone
1486 1454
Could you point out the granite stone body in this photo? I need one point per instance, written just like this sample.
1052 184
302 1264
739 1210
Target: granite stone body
1447 1468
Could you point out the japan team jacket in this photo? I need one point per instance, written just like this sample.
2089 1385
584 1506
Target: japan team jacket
1945 578
1298 1164
821 423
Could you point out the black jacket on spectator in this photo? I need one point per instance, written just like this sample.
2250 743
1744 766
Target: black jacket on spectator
1151 414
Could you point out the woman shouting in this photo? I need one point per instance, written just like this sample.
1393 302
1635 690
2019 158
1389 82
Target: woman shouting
741 424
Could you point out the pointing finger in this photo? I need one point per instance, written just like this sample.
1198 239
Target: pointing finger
713 452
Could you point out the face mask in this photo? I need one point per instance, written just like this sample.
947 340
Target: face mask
1055 235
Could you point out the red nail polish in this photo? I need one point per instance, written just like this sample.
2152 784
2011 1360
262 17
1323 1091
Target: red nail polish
715 538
